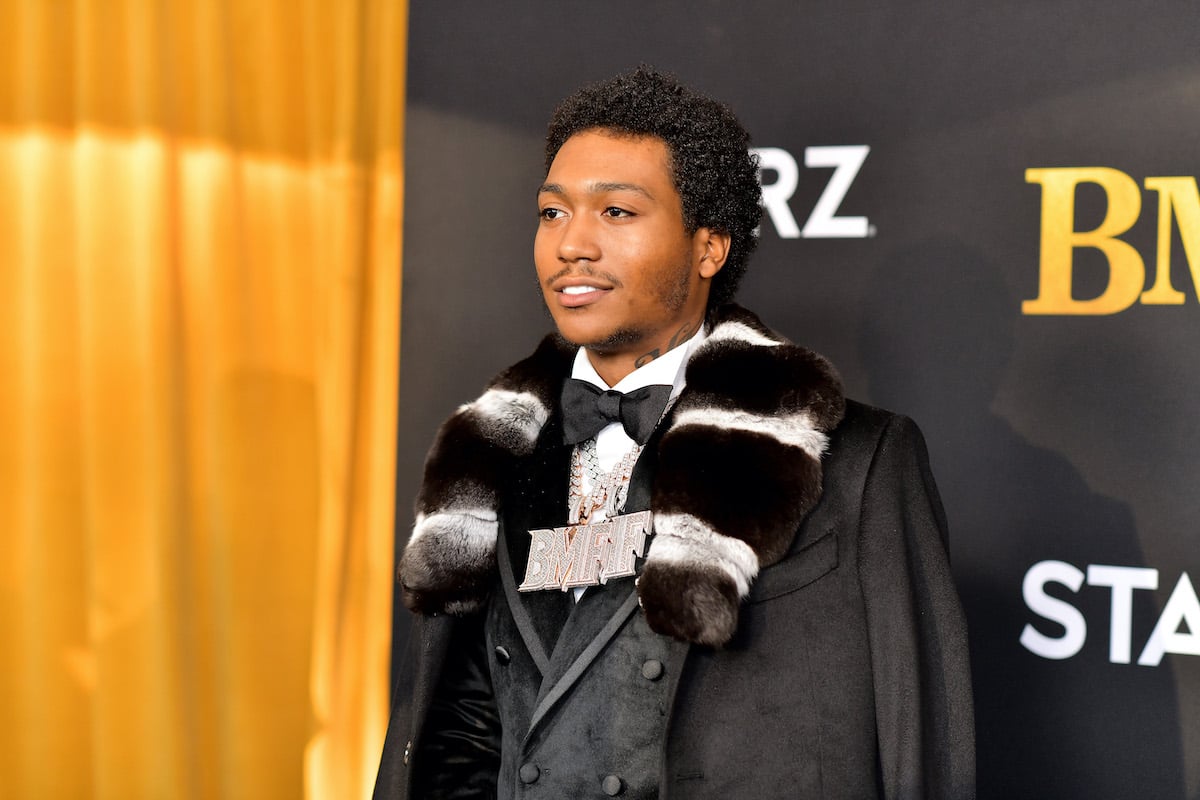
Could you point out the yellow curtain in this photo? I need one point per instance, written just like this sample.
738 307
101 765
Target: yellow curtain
199 303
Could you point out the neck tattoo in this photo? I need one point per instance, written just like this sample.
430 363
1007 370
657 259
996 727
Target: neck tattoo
680 336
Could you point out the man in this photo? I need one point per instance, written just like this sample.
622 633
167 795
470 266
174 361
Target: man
719 579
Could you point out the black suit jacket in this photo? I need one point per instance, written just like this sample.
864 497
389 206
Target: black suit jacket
847 677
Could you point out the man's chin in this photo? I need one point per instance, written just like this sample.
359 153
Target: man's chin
604 344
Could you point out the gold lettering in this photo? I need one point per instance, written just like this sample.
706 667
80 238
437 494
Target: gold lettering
1177 197
1127 272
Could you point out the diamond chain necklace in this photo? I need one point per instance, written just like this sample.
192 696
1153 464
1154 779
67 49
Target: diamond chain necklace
608 489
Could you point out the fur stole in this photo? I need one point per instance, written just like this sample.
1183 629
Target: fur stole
739 467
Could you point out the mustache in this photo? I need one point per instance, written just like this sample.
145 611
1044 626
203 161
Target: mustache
585 271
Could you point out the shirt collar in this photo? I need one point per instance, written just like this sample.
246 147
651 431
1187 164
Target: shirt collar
667 369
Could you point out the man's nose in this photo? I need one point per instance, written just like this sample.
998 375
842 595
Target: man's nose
578 241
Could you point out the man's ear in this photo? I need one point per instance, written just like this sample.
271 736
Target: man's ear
712 248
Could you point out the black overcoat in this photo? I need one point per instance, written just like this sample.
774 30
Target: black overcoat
847 676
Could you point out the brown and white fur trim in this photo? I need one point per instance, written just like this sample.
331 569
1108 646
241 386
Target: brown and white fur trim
448 562
739 467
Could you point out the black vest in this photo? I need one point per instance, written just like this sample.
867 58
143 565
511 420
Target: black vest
583 688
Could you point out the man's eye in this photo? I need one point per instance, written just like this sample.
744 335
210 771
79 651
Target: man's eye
613 211
550 213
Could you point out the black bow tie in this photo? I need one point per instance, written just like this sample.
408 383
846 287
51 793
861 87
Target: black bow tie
587 410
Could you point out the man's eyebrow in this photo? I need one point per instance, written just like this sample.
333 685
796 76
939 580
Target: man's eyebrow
596 188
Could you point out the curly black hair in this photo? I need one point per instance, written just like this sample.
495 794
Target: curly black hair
711 166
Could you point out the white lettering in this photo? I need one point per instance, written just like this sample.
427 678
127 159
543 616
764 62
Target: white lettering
1123 581
822 223
1177 630
1182 608
1065 614
776 195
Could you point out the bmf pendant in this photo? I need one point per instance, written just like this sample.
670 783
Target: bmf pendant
585 555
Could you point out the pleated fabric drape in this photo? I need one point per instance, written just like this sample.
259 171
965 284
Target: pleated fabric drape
200 208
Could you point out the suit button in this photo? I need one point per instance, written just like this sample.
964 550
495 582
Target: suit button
529 773
652 670
502 656
407 752
612 785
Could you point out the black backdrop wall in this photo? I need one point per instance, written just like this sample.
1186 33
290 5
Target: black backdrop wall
932 172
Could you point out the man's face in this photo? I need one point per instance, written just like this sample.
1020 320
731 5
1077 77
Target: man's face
618 270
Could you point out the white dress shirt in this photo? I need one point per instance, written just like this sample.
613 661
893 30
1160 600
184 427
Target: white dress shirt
612 443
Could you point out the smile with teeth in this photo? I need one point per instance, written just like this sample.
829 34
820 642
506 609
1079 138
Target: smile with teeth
578 295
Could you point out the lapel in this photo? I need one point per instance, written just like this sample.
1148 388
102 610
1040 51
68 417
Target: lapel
595 620
600 613
539 494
